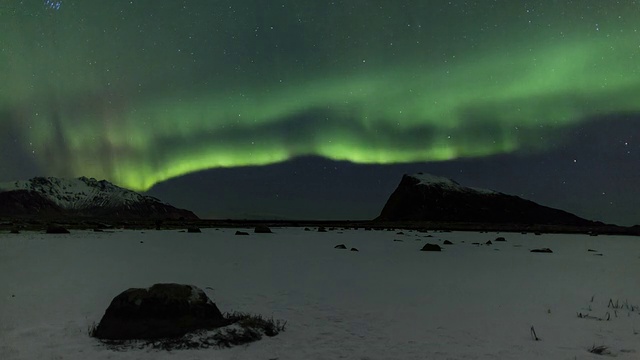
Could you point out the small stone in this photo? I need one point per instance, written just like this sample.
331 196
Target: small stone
341 246
56 229
431 247
262 229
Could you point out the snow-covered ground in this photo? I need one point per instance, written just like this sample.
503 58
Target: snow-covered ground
387 301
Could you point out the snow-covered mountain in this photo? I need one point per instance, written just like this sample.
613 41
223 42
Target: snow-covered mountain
83 196
425 197
447 184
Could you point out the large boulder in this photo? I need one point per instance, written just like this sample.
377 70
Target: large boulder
161 311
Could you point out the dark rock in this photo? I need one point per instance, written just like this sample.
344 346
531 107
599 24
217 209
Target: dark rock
56 229
489 243
194 230
440 199
591 250
322 229
354 249
399 233
162 311
597 255
398 240
447 242
262 229
341 246
241 233
307 229
98 230
543 250
15 231
431 247
500 239
537 234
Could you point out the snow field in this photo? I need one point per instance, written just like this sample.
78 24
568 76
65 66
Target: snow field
387 301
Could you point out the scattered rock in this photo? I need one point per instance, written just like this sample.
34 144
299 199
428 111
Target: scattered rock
597 254
14 231
262 229
398 240
341 246
354 249
161 311
141 242
431 247
489 243
543 250
56 229
591 250
500 239
537 234
398 233
194 230
307 229
428 236
447 242
98 230
322 229
241 233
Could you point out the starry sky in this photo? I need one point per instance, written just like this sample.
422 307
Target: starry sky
315 109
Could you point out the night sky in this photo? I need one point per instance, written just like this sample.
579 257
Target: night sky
315 109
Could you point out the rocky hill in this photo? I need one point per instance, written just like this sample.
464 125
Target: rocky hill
424 197
82 197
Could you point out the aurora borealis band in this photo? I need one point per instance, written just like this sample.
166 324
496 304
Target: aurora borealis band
138 92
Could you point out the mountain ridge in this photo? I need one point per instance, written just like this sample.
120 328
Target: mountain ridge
83 197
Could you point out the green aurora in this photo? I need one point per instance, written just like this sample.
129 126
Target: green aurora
143 91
